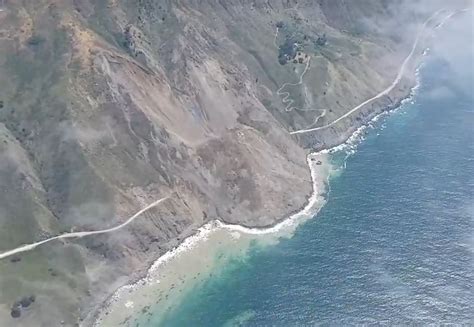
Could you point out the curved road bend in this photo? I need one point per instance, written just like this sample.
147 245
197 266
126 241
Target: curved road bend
288 101
29 247
384 92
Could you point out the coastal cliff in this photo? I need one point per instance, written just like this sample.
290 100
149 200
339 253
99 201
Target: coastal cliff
107 106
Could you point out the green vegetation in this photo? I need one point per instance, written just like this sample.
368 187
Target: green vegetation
287 51
35 40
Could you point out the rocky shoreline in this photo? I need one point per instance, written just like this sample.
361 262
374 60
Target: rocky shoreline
401 94
319 168
146 100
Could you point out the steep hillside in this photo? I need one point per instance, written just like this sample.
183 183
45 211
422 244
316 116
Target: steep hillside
107 106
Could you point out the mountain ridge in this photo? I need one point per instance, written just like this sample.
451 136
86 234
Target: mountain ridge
108 106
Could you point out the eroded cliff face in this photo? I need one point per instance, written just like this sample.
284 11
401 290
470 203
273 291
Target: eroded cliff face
107 106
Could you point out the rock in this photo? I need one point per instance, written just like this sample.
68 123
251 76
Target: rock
15 259
15 313
25 302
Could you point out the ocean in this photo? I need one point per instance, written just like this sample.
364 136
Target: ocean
394 244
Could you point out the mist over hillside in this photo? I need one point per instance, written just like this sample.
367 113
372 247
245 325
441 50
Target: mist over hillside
108 106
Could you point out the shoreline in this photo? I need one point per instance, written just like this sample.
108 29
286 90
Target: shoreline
310 210
314 203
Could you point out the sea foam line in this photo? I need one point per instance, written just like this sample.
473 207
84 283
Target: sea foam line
307 212
203 233
356 137
190 242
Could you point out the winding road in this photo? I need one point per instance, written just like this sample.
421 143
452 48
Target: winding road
288 102
388 89
29 247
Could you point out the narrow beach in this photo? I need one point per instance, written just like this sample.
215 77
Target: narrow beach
201 255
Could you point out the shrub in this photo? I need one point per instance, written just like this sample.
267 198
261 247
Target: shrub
35 40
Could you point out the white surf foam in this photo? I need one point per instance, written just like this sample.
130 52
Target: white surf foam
309 211
190 242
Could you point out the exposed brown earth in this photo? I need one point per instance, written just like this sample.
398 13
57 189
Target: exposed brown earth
107 106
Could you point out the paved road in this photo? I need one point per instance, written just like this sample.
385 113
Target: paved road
387 90
29 247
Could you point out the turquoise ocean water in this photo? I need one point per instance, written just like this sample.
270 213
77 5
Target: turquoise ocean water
394 244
